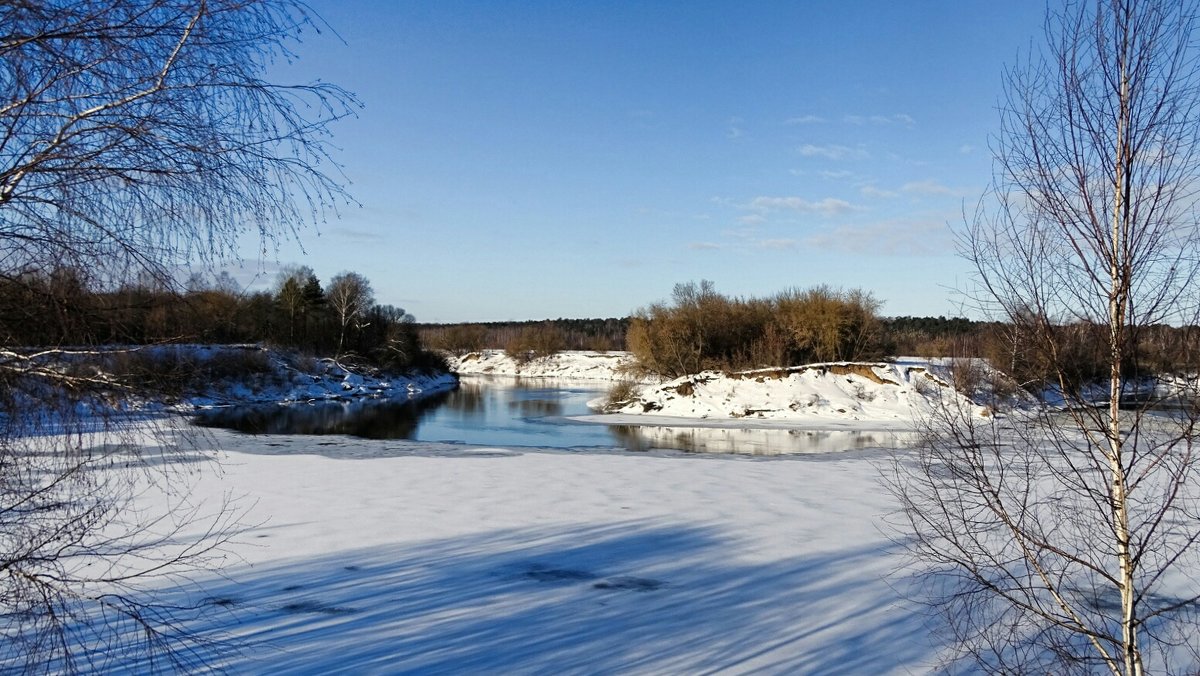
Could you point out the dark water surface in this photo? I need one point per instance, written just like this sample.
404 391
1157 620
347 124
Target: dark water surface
525 413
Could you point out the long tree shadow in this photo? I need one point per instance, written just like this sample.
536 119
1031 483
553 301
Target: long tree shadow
622 598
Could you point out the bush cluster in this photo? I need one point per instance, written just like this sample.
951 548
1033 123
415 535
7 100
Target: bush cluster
535 342
701 329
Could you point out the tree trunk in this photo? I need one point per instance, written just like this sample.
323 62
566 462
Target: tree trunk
1117 300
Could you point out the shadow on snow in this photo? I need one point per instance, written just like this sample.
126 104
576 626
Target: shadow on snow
626 597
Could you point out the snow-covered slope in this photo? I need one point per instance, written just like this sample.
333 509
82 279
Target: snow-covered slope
899 391
582 365
282 377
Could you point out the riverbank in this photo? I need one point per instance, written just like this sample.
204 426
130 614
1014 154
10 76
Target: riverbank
231 375
861 395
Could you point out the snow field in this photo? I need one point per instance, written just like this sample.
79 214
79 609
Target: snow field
474 560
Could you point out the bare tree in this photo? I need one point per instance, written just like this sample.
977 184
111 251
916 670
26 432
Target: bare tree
289 293
135 135
1066 542
350 296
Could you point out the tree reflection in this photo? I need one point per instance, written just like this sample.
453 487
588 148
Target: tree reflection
367 419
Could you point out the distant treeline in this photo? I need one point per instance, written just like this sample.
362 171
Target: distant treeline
62 307
698 329
905 335
600 335
702 329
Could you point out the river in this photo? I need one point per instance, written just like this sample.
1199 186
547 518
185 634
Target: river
530 414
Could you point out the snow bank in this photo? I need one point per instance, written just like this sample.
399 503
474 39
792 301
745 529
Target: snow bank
897 392
572 365
291 378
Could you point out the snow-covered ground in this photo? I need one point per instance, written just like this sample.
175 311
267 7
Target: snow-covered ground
895 393
407 557
571 365
290 378
413 557
451 559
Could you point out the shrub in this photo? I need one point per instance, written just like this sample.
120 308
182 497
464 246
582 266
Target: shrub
461 339
621 393
535 342
702 329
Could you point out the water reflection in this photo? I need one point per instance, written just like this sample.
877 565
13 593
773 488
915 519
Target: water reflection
370 420
755 441
527 414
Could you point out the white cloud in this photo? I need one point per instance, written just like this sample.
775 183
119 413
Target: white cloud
872 191
703 246
888 238
880 120
752 219
835 175
776 244
741 233
833 152
804 119
926 187
966 149
829 206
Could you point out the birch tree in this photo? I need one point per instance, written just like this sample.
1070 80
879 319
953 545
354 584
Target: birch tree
1066 542
135 136
350 296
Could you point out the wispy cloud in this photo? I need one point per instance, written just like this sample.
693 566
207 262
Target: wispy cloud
777 244
827 174
926 187
888 238
752 219
881 120
804 119
704 246
356 235
829 206
966 149
735 128
835 175
833 152
877 193
744 234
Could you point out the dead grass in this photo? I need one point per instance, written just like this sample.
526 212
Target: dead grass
621 393
862 370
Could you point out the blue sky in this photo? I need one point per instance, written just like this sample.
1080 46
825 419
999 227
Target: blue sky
530 160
